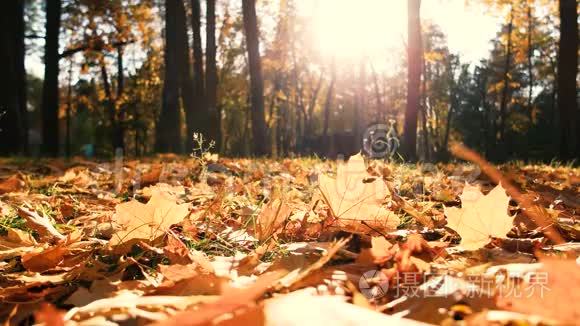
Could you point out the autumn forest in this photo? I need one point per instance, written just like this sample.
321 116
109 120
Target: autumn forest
144 76
289 162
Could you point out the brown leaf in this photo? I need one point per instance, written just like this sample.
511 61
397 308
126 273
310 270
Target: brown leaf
356 198
271 218
552 292
379 253
176 251
40 224
480 217
146 222
44 260
233 300
12 184
48 315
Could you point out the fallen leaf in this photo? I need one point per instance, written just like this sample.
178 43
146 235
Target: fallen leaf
356 198
325 310
48 315
40 224
550 292
146 222
271 218
480 217
11 184
44 259
229 302
379 252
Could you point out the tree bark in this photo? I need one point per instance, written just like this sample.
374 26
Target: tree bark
211 78
257 84
168 136
110 103
506 80
327 106
50 98
119 136
13 122
186 83
530 58
567 72
413 79
201 125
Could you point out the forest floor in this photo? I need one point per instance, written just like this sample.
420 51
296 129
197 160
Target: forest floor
188 241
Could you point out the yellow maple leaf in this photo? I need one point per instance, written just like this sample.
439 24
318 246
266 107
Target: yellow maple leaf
480 217
357 199
146 222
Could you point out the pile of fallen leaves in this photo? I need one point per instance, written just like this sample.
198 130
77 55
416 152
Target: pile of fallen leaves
182 241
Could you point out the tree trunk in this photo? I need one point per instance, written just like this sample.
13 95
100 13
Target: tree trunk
110 103
567 72
530 57
50 100
119 136
211 76
168 136
506 80
68 111
201 125
13 122
185 81
312 105
413 79
327 106
257 84
424 109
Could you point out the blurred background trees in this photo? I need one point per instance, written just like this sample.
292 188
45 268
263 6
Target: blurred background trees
262 78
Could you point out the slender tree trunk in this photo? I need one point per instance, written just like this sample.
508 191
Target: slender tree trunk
13 122
168 136
506 79
567 72
424 109
211 79
530 58
198 75
413 79
50 133
110 103
378 97
257 83
119 137
327 107
68 112
312 105
193 115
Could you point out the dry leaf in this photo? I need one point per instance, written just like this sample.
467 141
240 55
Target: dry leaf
552 292
48 315
40 224
480 216
44 259
325 310
146 222
231 301
379 252
12 184
271 218
356 200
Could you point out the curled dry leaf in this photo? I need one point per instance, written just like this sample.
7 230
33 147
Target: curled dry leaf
271 218
480 217
356 198
40 224
12 184
146 222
